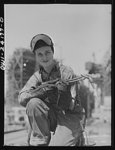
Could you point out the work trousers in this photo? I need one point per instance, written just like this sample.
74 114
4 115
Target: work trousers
44 118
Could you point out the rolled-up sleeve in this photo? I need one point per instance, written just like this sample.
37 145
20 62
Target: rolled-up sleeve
68 73
25 95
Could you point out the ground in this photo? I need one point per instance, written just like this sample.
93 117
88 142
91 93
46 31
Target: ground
98 130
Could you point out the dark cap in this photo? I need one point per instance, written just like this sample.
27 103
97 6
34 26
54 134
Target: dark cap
41 40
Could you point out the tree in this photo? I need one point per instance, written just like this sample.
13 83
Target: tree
107 79
20 67
103 70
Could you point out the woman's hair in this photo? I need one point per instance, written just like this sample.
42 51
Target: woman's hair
41 43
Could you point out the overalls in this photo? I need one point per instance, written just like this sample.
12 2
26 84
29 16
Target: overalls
45 117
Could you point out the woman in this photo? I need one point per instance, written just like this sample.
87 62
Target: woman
50 108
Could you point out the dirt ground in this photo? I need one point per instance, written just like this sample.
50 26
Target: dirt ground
98 128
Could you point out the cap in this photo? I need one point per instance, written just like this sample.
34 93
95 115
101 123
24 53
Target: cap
45 38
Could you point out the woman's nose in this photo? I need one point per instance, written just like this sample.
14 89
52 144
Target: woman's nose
44 57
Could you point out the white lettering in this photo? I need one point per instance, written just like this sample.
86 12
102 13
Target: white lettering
2 49
2 67
1 19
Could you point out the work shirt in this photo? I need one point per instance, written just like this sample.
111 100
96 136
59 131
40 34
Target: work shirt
58 71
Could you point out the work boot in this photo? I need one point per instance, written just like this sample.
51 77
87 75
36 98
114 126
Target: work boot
39 141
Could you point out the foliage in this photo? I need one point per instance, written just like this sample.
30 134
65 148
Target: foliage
87 99
17 74
104 72
107 73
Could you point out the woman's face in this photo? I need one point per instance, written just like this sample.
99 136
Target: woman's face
45 56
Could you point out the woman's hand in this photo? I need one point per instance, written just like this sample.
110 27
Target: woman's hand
61 86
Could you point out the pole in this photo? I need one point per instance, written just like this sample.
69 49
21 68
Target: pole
21 70
88 102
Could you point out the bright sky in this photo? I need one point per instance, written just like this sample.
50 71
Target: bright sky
76 30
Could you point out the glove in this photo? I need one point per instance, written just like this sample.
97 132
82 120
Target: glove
61 86
42 90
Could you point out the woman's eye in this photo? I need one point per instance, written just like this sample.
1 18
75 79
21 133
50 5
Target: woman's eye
47 53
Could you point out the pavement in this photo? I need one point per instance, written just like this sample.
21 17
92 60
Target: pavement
98 128
14 128
97 131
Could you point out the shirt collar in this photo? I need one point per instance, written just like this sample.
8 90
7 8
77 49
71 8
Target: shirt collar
55 67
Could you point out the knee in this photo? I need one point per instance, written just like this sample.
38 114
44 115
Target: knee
37 106
36 103
33 103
